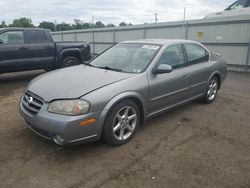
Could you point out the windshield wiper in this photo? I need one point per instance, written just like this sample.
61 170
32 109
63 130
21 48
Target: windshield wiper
88 64
110 68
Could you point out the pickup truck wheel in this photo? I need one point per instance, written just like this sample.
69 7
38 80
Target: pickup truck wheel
70 61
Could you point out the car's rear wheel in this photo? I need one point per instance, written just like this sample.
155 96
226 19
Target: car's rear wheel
211 91
121 123
70 61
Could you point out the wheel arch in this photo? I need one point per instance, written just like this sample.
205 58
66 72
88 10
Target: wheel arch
135 97
218 76
70 52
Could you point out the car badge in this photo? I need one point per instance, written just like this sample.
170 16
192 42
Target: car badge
30 100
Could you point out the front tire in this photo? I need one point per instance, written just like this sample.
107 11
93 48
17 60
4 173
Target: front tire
70 61
121 123
211 91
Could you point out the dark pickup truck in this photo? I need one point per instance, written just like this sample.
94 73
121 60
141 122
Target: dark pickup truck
29 49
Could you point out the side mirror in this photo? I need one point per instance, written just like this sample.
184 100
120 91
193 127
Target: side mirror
163 68
94 56
1 41
216 54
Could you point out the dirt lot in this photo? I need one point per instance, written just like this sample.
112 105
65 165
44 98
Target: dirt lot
196 145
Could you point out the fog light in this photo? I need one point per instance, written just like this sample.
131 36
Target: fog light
58 139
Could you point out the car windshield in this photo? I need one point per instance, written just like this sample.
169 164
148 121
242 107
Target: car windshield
126 57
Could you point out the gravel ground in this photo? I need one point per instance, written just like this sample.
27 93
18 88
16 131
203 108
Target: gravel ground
196 145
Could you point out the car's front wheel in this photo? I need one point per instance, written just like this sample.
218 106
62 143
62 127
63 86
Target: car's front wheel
211 91
121 123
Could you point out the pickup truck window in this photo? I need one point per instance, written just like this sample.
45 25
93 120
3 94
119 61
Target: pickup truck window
12 37
36 37
238 4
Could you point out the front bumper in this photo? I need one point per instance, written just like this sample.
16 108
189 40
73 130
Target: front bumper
49 125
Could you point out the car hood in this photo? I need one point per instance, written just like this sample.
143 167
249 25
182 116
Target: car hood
73 82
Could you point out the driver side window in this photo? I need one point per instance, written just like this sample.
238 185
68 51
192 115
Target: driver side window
173 56
12 37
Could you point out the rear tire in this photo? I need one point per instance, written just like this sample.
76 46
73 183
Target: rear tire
70 61
121 123
211 91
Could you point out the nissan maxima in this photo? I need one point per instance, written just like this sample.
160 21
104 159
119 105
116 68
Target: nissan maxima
113 94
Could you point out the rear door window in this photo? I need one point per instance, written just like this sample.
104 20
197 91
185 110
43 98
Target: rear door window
36 37
196 53
48 36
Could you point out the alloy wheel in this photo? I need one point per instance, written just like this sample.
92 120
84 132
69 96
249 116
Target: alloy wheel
124 123
212 89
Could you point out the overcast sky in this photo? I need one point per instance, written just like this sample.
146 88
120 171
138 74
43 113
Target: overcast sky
108 11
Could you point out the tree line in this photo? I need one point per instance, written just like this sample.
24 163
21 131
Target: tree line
27 22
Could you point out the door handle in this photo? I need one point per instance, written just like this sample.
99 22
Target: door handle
23 48
48 47
185 75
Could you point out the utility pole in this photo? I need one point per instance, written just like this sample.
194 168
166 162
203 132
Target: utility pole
156 18
184 16
92 22
55 25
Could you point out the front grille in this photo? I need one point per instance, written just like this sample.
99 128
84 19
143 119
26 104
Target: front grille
32 103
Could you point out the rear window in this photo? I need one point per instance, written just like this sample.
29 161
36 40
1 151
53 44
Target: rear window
35 37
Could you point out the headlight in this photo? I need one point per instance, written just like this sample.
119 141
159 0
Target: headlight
69 107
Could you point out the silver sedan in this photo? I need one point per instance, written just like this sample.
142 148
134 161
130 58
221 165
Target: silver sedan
112 95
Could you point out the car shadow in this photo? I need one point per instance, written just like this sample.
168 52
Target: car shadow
19 76
148 123
16 82
56 154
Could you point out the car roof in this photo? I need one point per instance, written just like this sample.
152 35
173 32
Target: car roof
159 41
22 28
